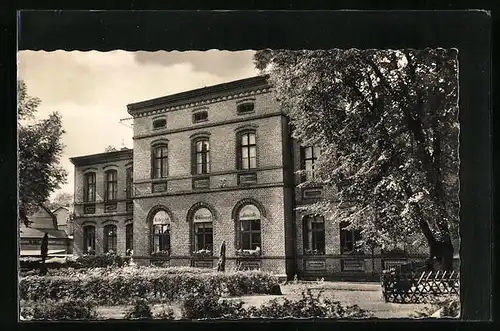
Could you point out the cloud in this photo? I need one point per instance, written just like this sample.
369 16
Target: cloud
221 63
92 89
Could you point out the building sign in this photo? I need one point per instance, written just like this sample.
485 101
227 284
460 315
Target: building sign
161 217
202 215
204 264
315 265
249 212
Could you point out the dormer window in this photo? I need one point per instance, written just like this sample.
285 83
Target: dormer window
200 116
159 123
245 108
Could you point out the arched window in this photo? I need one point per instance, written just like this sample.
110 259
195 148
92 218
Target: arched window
161 232
314 234
160 161
249 221
201 156
129 238
246 150
111 189
89 239
89 187
110 238
203 229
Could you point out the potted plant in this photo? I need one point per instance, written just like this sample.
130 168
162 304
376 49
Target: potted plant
202 253
248 252
309 251
162 253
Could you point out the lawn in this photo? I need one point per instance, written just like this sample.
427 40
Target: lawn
366 295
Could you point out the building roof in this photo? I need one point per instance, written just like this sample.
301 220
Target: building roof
49 214
123 154
32 252
62 207
28 232
199 94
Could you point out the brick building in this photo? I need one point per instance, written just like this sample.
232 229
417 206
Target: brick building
211 165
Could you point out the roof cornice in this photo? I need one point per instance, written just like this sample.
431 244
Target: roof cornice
120 155
202 96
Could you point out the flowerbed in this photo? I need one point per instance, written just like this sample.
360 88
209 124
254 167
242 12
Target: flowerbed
157 285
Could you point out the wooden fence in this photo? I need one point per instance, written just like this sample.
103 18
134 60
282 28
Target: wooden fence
418 287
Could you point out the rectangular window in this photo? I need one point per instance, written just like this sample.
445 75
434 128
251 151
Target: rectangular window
88 239
309 156
248 151
111 185
110 239
201 116
314 235
130 181
204 236
160 164
89 187
161 240
245 108
250 234
349 239
202 157
129 238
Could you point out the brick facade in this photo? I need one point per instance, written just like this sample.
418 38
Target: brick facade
272 187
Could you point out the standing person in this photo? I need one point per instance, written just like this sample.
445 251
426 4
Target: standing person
221 266
44 249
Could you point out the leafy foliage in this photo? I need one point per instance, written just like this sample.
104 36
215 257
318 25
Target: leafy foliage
63 309
123 285
445 307
387 125
61 199
40 149
196 306
140 310
165 314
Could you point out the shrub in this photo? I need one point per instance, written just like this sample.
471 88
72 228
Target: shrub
122 285
447 307
100 261
165 314
196 306
140 310
309 306
202 306
65 309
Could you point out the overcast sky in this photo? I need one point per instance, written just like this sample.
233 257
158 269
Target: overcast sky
92 89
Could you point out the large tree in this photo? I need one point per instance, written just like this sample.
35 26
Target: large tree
61 199
387 124
40 149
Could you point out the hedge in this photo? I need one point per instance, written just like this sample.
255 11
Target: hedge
123 285
65 309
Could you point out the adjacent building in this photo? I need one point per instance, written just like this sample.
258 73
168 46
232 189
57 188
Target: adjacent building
41 222
213 165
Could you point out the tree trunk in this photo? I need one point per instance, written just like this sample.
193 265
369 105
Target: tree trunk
440 251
